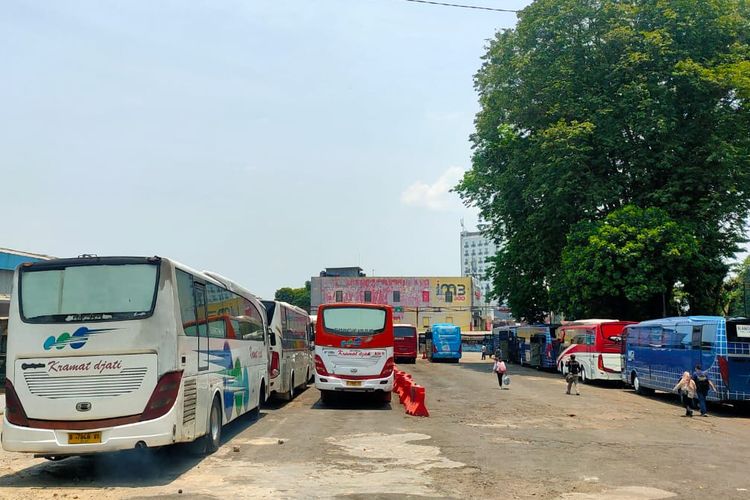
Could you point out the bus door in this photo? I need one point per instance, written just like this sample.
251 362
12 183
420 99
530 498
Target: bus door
201 325
537 349
696 353
736 374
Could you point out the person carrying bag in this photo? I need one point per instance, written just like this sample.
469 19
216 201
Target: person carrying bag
499 368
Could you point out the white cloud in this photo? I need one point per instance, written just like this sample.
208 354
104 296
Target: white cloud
435 196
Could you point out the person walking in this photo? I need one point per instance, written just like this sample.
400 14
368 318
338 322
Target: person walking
686 389
574 369
484 352
703 385
499 368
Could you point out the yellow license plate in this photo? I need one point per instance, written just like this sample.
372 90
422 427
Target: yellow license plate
84 437
353 383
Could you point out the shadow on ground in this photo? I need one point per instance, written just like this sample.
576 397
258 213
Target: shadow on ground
132 468
354 401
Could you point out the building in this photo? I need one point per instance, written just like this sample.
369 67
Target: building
420 301
9 260
476 248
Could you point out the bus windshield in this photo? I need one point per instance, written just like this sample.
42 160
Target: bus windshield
404 331
354 321
88 293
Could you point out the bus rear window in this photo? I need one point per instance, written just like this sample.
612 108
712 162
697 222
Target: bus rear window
404 331
88 293
738 331
354 321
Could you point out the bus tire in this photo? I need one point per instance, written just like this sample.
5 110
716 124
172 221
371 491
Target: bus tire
326 397
212 439
636 382
385 397
292 389
584 379
262 395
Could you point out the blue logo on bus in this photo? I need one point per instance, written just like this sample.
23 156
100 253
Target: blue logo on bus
355 342
77 340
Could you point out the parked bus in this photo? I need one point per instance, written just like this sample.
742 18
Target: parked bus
538 346
596 345
113 353
505 339
405 343
657 352
444 342
291 364
354 349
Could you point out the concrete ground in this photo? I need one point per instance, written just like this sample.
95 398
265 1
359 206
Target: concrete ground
530 441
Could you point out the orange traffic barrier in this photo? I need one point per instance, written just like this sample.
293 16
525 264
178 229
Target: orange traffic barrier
417 405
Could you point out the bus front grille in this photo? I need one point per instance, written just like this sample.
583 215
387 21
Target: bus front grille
45 386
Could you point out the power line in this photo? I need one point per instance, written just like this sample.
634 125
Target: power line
462 6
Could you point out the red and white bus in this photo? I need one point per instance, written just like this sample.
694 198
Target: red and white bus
405 343
354 349
596 344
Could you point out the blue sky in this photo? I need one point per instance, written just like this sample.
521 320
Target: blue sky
262 140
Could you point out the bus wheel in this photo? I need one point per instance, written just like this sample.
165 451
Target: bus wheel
213 437
639 388
292 391
326 397
386 397
584 380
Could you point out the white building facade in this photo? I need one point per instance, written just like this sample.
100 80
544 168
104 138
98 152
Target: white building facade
476 248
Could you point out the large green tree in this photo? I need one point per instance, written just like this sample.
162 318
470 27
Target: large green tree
737 291
588 106
625 265
299 297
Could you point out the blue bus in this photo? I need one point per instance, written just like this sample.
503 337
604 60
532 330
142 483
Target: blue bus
504 338
655 353
444 342
538 346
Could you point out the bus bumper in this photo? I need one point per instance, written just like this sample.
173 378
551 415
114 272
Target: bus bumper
154 433
331 383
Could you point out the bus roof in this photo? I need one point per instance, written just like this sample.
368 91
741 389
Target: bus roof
676 320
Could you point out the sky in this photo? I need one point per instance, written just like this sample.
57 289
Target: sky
263 140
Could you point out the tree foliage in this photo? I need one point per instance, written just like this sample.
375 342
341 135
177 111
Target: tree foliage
624 265
299 297
591 105
737 291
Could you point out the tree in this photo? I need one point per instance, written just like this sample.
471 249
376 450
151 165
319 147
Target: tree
299 297
627 264
591 105
736 291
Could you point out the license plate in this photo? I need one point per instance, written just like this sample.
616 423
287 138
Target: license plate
353 383
84 437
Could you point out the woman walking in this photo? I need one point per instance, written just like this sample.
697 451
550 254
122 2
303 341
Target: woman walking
686 389
499 368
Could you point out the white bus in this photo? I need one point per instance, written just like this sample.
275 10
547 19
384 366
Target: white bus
113 353
291 364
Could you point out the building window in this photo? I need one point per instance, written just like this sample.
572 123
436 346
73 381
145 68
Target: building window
396 296
339 296
368 296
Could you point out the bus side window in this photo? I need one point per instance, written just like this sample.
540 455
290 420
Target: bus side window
697 337
187 302
708 337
